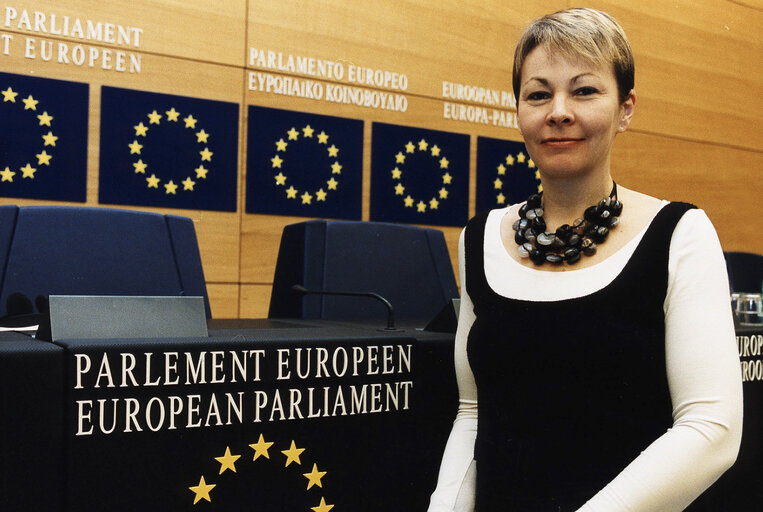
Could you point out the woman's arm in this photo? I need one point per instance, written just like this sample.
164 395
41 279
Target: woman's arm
704 379
455 484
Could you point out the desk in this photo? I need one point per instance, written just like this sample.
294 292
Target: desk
259 413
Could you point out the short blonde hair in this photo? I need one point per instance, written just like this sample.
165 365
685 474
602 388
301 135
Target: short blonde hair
580 33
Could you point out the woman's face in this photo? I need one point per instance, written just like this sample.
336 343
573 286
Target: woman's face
569 113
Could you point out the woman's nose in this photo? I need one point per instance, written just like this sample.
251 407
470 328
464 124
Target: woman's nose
560 112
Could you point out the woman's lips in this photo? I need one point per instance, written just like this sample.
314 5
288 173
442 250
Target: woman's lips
560 142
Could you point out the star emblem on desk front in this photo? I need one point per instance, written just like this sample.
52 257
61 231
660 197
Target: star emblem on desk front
421 149
49 139
281 160
170 120
202 491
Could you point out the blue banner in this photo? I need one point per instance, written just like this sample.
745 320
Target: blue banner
168 151
301 164
419 176
43 138
505 173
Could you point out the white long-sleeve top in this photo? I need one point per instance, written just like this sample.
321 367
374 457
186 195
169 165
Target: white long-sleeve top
701 358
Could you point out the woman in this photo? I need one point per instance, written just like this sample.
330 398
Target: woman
602 350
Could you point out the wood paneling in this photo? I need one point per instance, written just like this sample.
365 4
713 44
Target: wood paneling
223 299
255 300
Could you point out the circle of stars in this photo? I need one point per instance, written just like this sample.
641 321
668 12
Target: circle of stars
141 167
502 168
49 139
397 174
227 461
277 162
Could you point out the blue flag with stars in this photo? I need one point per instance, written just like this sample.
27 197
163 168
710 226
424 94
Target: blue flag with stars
303 164
505 173
43 138
168 151
419 176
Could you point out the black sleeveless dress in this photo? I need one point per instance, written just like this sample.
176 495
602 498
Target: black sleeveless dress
570 391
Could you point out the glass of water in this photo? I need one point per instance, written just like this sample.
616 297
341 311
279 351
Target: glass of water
749 308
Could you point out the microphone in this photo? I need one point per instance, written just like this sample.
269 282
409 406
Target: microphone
302 291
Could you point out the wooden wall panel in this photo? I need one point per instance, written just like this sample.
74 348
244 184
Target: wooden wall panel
255 300
223 299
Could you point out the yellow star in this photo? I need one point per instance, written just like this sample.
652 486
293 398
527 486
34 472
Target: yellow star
540 188
7 174
28 171
154 117
9 95
410 148
501 169
43 158
509 160
227 461
435 150
323 138
172 114
190 122
399 158
261 447
277 161
443 193
396 173
170 188
501 198
314 477
153 181
447 178
188 183
281 145
50 139
140 129
307 131
521 158
531 164
280 179
293 134
498 184
444 163
202 491
408 201
336 168
423 145
135 147
30 103
291 192
421 207
320 195
537 175
206 155
333 150
434 203
202 136
399 189
322 507
306 199
45 119
140 167
201 172
332 183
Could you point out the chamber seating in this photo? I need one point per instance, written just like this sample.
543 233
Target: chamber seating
745 271
409 266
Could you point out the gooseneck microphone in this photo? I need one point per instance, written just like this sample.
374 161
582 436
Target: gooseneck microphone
301 290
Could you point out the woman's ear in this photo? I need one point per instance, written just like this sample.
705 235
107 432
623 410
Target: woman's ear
626 112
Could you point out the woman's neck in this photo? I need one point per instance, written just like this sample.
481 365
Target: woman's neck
564 200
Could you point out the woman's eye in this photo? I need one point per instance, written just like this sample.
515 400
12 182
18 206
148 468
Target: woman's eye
537 95
585 91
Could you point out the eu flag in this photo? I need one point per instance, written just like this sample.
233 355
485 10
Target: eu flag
505 173
43 138
168 151
419 176
302 164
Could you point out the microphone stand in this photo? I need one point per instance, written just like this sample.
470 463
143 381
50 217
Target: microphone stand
301 290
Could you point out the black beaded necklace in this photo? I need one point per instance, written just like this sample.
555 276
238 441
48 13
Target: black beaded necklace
567 243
